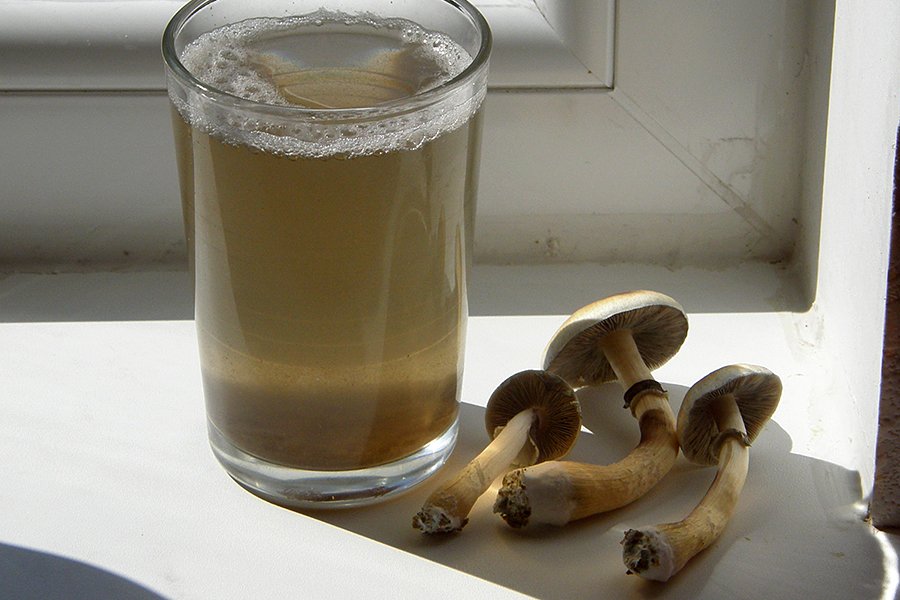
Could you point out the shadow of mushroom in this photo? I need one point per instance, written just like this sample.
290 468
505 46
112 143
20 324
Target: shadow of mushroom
774 546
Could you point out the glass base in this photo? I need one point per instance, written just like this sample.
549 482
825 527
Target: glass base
300 488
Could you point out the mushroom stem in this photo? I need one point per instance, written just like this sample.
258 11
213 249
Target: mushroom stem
659 552
447 508
625 358
558 492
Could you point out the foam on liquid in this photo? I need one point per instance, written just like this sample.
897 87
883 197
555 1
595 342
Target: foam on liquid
328 60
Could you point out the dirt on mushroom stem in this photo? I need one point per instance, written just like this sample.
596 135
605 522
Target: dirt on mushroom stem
721 414
559 492
447 509
546 422
661 551
618 338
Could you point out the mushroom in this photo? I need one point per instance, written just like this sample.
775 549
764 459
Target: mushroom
622 338
719 418
532 416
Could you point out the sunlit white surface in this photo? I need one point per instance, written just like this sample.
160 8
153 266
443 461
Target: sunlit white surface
108 476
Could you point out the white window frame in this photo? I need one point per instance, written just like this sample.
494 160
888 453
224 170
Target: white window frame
576 40
113 45
82 45
78 74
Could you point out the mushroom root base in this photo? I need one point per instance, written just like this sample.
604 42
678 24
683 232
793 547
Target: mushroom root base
647 552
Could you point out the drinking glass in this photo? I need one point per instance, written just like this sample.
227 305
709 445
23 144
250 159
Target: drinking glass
328 158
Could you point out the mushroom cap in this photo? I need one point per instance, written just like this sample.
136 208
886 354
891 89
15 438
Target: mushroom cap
657 323
558 414
756 391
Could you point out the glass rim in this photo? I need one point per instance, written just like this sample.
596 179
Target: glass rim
177 68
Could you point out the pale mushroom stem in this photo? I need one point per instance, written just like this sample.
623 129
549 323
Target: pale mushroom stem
624 357
626 361
660 552
447 508
558 492
637 473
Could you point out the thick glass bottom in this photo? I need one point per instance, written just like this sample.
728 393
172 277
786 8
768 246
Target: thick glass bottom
300 488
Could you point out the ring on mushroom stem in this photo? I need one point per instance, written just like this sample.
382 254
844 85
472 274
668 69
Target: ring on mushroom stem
532 416
719 418
623 337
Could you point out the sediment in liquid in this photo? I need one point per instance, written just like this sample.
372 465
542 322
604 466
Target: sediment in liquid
330 289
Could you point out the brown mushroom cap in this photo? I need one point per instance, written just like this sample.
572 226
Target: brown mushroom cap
657 323
756 391
557 410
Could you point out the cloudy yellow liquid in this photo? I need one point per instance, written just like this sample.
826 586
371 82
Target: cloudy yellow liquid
330 290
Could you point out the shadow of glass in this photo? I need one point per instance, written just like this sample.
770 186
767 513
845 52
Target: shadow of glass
31 574
796 531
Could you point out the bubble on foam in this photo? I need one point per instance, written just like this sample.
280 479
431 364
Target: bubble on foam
223 62
224 59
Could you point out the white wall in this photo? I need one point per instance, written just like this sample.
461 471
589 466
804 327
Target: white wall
851 251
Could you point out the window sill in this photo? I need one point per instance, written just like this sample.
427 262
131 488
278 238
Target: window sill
76 376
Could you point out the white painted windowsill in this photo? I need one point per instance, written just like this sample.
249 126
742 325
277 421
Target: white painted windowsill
108 476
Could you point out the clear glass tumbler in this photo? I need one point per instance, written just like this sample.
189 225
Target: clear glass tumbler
328 156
